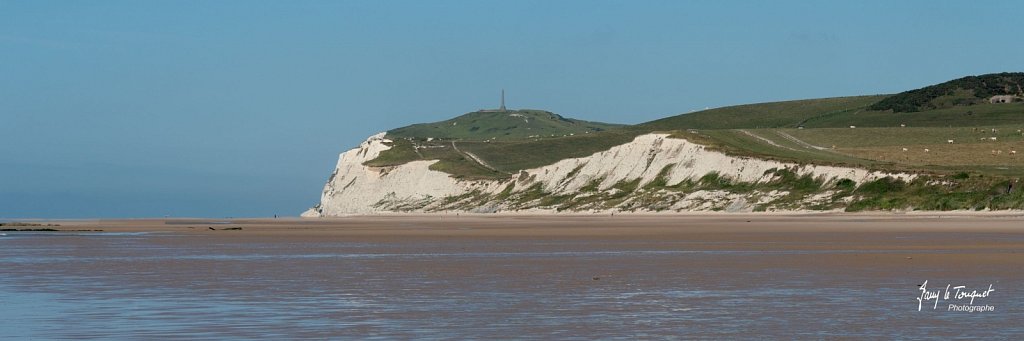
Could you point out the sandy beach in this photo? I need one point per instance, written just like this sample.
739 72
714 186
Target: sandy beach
537 276
959 242
948 231
571 224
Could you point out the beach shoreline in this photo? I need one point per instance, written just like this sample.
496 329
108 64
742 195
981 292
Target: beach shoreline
566 224
808 267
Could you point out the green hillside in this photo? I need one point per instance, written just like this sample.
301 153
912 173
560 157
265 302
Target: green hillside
966 91
840 112
959 116
496 144
501 125
764 115
963 147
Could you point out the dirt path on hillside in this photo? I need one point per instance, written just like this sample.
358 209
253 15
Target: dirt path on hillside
799 141
766 140
476 159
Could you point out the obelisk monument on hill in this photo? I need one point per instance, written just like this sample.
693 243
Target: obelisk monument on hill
502 108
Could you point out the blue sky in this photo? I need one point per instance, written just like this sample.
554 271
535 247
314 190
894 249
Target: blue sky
239 108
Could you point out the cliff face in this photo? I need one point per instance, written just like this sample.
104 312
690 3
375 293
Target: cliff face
357 189
652 173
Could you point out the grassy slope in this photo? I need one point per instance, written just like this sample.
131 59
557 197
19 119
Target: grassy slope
974 176
878 148
764 115
974 172
506 141
963 116
509 143
513 156
525 147
448 159
501 125
507 157
754 143
970 90
876 143
972 149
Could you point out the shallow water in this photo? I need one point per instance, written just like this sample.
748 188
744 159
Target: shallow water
150 285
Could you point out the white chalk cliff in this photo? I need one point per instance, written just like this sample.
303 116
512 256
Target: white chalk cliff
622 178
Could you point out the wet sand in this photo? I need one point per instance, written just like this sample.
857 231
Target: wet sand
965 243
535 276
949 232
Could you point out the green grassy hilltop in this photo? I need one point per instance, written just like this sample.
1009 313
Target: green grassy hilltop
948 131
962 137
968 90
495 143
501 125
788 114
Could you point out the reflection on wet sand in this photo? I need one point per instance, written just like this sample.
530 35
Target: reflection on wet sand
524 277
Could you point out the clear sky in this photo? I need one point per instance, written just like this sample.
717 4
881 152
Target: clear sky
240 108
